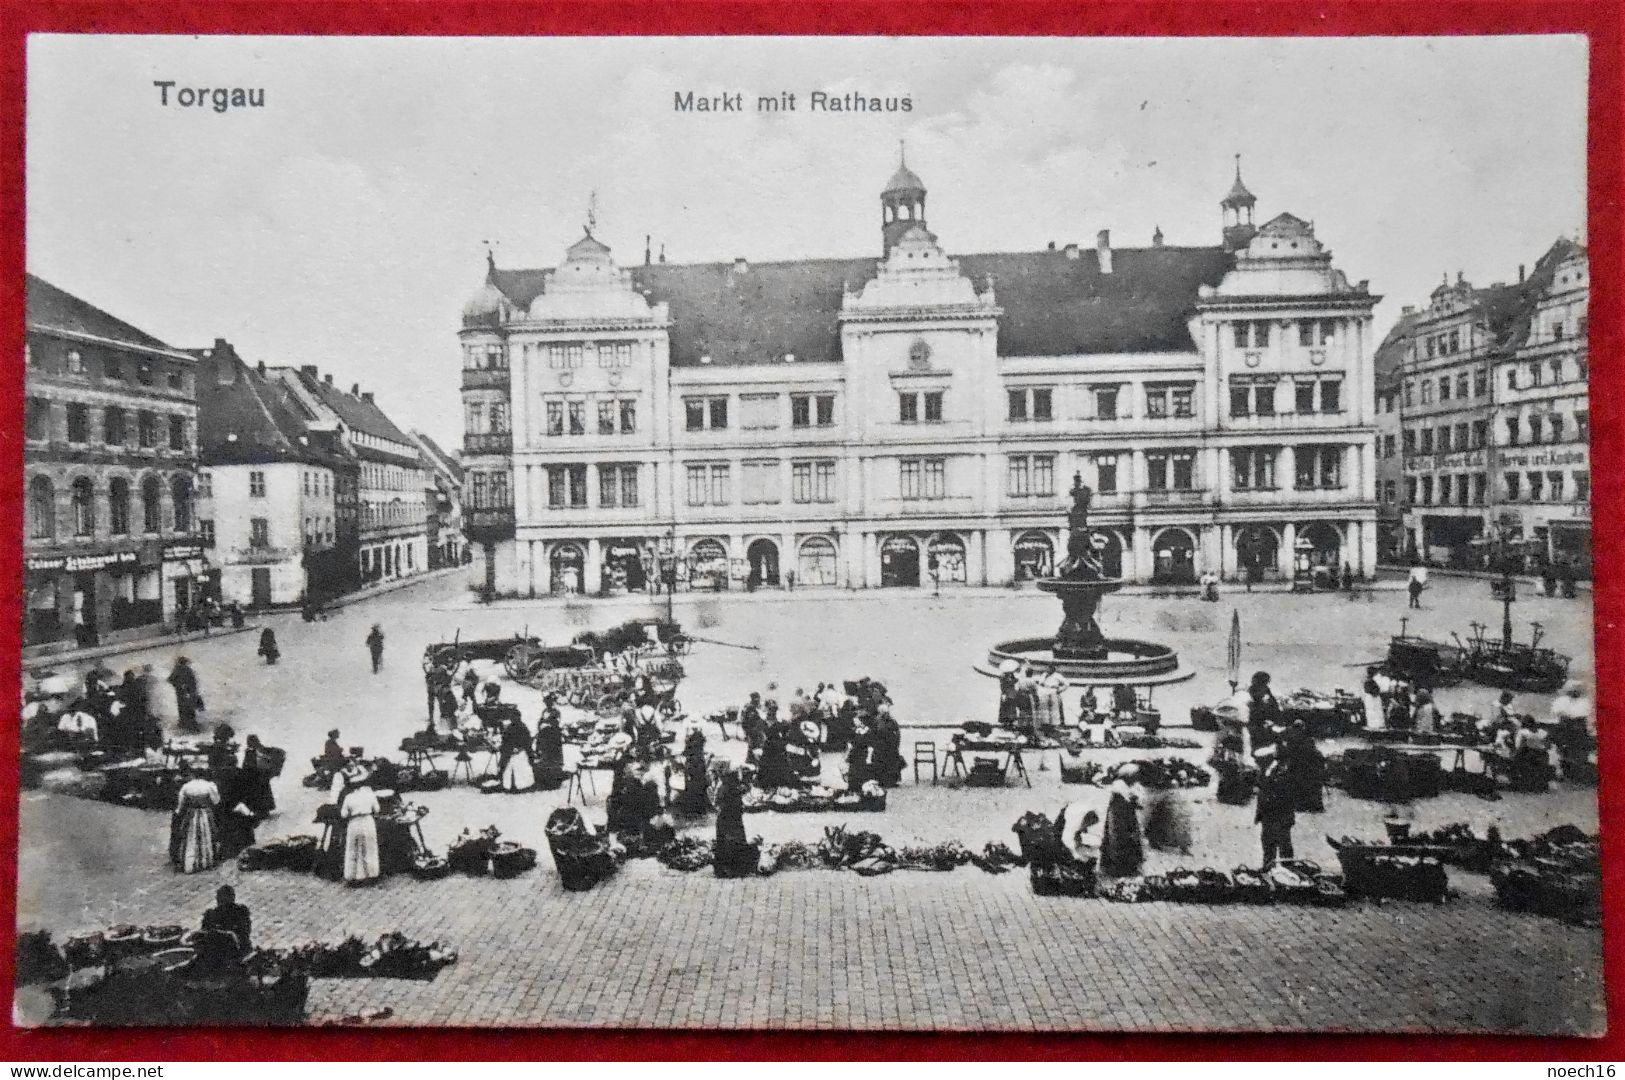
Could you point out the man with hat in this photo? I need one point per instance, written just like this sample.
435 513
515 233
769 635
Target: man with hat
187 698
1277 802
750 720
549 745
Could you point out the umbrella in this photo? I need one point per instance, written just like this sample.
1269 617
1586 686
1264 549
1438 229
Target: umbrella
1008 667
54 686
1234 654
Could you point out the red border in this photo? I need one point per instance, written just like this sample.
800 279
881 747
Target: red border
1601 21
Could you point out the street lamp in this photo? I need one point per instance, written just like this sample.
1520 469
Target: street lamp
668 567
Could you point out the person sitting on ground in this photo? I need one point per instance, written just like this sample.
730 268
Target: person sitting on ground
333 750
229 916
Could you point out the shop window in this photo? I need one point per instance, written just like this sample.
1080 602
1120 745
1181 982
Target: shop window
41 509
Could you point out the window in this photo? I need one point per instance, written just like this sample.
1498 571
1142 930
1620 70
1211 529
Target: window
118 506
177 433
1252 397
800 411
908 408
1582 487
702 414
76 362
1184 465
1512 431
205 528
1318 467
1030 403
1425 441
1170 470
1164 400
1481 434
922 478
1409 436
1156 471
1304 395
1463 385
1480 488
78 423
1106 474
146 429
1557 427
1252 335
824 410
933 406
812 481
1582 425
305 476
83 499
1410 489
1537 483
1461 437
143 372
1444 388
566 486
759 482
606 419
256 484
41 509
577 411
1535 376
259 532
113 368
1331 395
759 412
1444 489
555 417
1481 382
37 419
1030 474
152 512
629 416
176 381
1427 491
1427 391
1510 481
1253 469
708 485
1534 429
618 485
1105 402
180 489
1444 439
1554 486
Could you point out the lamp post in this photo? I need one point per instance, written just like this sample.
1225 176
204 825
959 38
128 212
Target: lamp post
668 568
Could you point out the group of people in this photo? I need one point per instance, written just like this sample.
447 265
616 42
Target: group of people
1030 702
221 803
120 717
855 718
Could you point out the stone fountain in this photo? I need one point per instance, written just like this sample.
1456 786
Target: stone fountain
1079 650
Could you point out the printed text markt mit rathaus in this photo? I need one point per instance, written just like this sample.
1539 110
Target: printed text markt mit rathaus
790 101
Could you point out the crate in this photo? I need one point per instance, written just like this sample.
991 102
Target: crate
1389 873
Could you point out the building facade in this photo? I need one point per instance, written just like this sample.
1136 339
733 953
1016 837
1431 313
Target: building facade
1482 442
447 544
267 486
386 503
111 543
1543 424
916 419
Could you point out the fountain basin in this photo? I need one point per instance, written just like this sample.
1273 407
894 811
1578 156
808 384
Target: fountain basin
1127 660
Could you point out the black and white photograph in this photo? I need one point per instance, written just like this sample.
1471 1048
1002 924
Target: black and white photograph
875 534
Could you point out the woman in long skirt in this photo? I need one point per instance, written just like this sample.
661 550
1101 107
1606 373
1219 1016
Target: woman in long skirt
193 846
1122 848
1168 821
358 810
516 772
549 744
1371 695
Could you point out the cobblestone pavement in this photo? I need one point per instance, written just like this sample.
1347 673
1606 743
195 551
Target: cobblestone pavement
654 947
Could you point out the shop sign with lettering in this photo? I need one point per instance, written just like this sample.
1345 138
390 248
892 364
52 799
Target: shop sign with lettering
183 550
1530 459
78 563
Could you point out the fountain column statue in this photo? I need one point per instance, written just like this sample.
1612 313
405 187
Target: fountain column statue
1080 582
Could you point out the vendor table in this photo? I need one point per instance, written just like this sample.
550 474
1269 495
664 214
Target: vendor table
574 785
954 757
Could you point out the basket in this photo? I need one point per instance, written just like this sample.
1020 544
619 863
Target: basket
470 859
1377 872
123 941
158 938
170 961
510 860
1063 879
85 950
430 868
1203 719
275 758
736 860
580 871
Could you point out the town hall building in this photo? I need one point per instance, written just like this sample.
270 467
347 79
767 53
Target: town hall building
915 419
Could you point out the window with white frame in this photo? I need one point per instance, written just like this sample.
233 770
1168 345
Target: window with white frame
922 478
1106 473
618 485
812 481
1165 401
1030 403
256 484
1317 394
1318 467
708 484
1030 474
1252 396
705 413
1105 399
1252 468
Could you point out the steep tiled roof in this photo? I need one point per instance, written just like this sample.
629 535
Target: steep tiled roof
441 458
357 413
51 308
1053 305
245 418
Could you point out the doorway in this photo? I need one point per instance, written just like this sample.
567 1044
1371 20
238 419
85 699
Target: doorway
260 587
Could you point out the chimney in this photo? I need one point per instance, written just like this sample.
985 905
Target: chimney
1520 273
662 254
221 343
1156 237
308 370
260 367
646 239
355 389
1072 251
367 397
1052 245
1103 249
741 266
1408 309
329 378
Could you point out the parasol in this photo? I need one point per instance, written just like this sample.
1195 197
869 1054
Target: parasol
1008 667
1234 654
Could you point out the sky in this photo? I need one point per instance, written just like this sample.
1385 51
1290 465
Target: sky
344 223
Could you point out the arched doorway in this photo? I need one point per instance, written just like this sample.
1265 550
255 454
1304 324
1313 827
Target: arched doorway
1258 552
708 565
763 557
567 568
1325 544
816 562
1173 553
1111 554
1035 556
945 559
899 562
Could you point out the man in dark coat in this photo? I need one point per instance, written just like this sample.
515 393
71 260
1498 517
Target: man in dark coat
1276 800
375 647
1263 712
187 699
